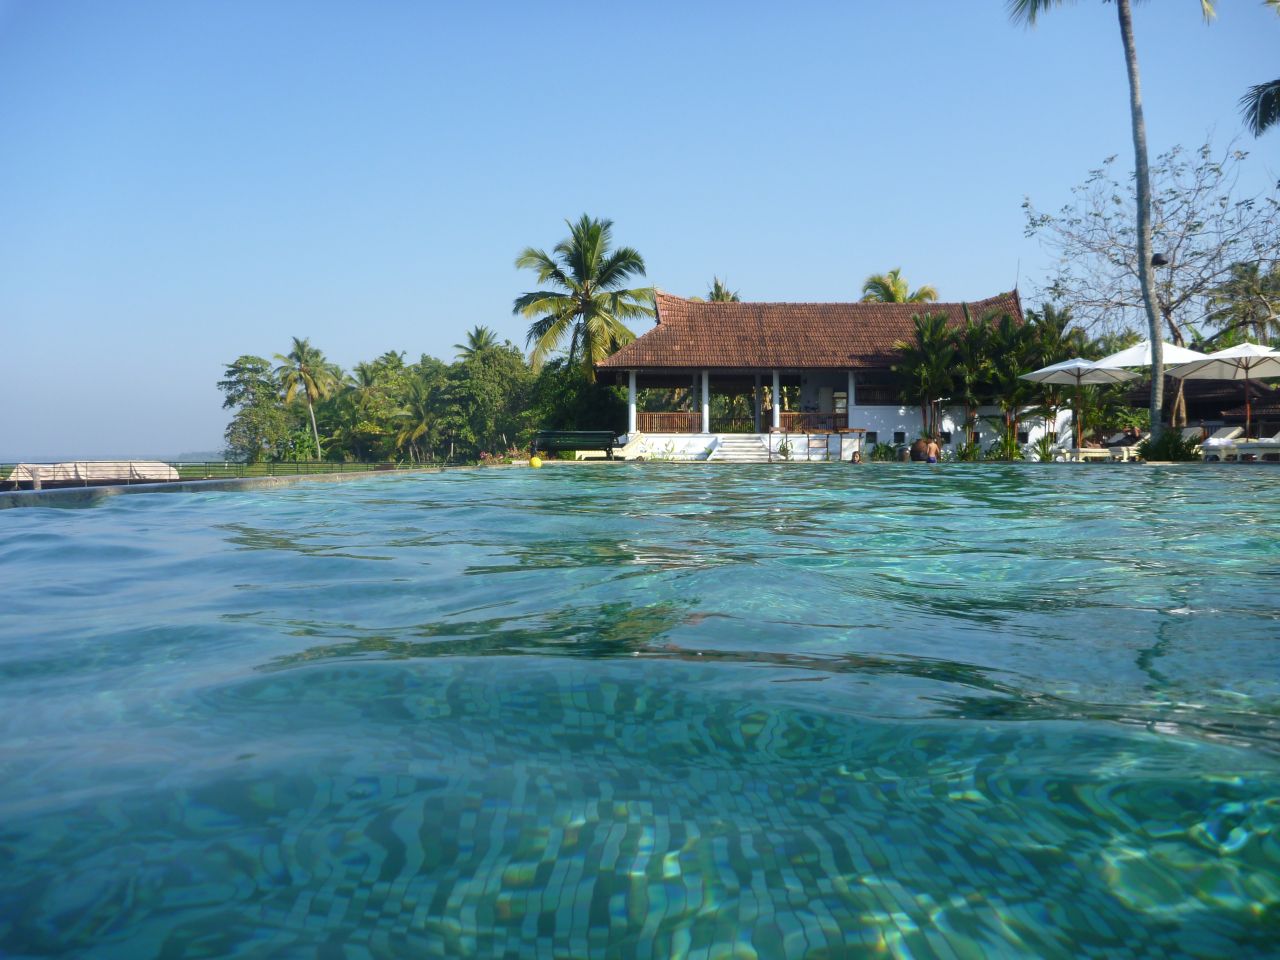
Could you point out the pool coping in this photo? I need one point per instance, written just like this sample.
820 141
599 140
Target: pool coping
84 496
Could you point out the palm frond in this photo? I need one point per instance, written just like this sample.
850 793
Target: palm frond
542 301
618 267
545 335
1028 11
1261 106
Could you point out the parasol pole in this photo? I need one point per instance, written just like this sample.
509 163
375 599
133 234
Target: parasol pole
1246 404
1079 438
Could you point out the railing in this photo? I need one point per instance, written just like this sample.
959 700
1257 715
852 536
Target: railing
102 475
813 422
734 425
681 421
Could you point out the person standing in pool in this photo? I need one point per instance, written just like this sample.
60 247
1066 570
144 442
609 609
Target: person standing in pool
932 452
857 457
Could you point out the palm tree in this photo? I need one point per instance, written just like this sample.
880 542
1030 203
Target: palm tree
719 293
305 368
891 287
1248 299
971 356
1014 344
590 302
417 418
926 366
479 339
1026 11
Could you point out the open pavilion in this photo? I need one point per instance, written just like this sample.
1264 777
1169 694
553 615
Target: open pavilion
822 371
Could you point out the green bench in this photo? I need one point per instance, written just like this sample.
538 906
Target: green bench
552 441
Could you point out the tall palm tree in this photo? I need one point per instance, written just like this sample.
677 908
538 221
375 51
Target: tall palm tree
1027 11
720 293
926 366
892 287
479 339
971 359
590 302
305 368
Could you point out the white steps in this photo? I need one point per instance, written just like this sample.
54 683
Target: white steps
742 448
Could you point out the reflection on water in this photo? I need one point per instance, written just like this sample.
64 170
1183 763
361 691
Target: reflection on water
654 712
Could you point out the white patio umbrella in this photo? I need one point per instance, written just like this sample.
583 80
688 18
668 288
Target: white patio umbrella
1078 372
1139 355
1249 361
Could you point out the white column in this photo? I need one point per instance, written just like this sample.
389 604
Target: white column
755 402
849 400
777 401
706 401
631 403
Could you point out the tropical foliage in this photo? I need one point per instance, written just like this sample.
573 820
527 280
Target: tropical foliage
979 362
588 303
892 287
720 293
488 401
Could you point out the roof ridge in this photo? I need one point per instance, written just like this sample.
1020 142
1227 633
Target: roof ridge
828 303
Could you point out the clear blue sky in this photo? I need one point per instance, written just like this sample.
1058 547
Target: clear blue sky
184 182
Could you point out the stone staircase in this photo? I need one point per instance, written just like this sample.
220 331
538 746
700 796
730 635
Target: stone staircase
741 448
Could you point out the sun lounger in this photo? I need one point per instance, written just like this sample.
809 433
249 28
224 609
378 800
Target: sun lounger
1267 448
1083 454
1220 445
1124 452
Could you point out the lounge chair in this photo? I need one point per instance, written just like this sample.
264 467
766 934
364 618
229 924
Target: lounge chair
1219 445
1267 448
1082 454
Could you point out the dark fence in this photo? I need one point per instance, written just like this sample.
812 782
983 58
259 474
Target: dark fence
97 473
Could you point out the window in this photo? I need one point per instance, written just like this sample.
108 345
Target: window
976 437
1023 436
840 402
899 436
946 436
873 437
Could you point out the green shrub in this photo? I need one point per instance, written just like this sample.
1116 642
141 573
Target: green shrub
884 452
1170 446
1043 449
968 452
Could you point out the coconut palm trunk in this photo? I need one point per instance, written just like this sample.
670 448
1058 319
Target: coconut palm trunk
1142 177
314 430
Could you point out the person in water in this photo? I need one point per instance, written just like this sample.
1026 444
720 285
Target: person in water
932 452
857 457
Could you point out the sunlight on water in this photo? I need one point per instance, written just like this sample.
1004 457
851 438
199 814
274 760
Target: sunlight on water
648 710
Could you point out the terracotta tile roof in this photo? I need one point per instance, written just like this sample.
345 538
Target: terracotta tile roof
692 333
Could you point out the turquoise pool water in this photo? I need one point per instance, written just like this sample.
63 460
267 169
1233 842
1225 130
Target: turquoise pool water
648 710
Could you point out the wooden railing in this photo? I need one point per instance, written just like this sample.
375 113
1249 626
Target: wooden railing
682 421
733 425
812 422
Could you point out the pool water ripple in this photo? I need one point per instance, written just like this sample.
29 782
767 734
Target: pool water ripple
648 710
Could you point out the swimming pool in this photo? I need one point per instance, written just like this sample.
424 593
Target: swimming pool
648 710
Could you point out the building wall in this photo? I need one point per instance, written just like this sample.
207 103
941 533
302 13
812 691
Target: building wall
884 421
